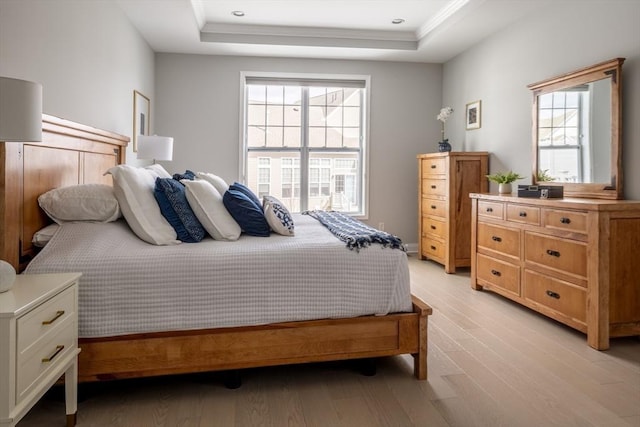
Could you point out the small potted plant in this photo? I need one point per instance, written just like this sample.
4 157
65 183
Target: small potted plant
445 112
504 180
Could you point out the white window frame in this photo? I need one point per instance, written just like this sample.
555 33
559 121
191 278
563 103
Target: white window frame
243 155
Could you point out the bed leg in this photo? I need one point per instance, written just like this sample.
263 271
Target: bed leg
368 367
420 358
231 379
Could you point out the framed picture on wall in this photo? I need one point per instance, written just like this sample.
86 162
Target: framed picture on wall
473 115
141 117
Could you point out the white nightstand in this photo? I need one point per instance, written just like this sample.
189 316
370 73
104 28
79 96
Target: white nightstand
38 343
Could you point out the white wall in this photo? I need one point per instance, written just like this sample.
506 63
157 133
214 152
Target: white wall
87 55
198 103
555 41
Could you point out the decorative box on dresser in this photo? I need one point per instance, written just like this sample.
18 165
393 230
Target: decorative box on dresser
39 343
444 207
571 259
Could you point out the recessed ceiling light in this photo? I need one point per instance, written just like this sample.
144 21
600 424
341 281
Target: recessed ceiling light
237 13
397 21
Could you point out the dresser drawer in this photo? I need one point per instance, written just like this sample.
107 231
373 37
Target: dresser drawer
433 167
46 356
434 187
499 239
523 214
565 220
560 254
434 207
433 248
433 226
499 273
36 324
490 209
556 294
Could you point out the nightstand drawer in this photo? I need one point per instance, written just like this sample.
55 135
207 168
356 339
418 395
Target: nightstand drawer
45 319
44 357
434 207
434 187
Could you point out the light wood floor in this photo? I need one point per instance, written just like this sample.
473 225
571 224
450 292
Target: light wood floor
491 363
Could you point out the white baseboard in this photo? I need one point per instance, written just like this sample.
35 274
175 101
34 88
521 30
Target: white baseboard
412 248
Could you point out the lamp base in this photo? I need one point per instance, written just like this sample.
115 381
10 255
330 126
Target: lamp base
7 276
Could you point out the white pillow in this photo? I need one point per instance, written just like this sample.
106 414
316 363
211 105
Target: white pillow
206 203
85 202
214 180
133 188
278 216
42 236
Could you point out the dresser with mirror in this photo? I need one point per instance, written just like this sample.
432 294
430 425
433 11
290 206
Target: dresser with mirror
572 258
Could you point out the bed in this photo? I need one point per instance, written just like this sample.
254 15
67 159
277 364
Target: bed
73 153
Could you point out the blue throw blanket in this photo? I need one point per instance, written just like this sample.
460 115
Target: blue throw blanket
354 233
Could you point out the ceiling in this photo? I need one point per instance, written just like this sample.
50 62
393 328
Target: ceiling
432 31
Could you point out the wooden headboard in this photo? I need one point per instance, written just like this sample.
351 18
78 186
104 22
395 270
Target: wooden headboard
70 153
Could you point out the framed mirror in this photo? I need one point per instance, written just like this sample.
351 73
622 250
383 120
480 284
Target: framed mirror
577 131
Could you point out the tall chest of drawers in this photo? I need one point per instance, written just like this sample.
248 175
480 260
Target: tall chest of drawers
570 259
445 181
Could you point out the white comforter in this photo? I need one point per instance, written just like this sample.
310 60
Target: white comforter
129 286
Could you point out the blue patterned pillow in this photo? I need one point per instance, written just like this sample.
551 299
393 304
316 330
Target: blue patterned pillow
186 175
247 214
278 216
174 206
247 192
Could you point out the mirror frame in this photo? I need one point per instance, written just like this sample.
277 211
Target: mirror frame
609 69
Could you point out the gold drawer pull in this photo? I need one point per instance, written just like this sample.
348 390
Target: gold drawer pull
489 209
565 220
56 317
496 238
59 348
496 273
553 253
553 294
523 214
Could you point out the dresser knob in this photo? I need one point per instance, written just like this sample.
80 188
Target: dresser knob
433 187
489 209
565 220
553 253
433 166
553 294
496 238
522 214
433 206
433 227
433 248
496 273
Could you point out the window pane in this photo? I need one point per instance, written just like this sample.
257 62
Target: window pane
351 137
573 99
545 101
352 116
334 116
275 95
571 117
256 115
317 96
338 189
293 95
334 96
292 115
558 118
317 116
558 99
256 94
352 97
316 137
274 115
274 136
255 136
334 137
292 137
281 180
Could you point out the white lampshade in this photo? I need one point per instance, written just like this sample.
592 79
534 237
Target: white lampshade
20 110
155 147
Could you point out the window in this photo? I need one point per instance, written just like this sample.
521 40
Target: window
562 139
304 141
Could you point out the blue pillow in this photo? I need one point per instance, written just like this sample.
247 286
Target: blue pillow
246 213
186 175
174 206
247 192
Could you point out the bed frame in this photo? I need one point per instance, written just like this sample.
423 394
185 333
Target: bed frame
71 153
